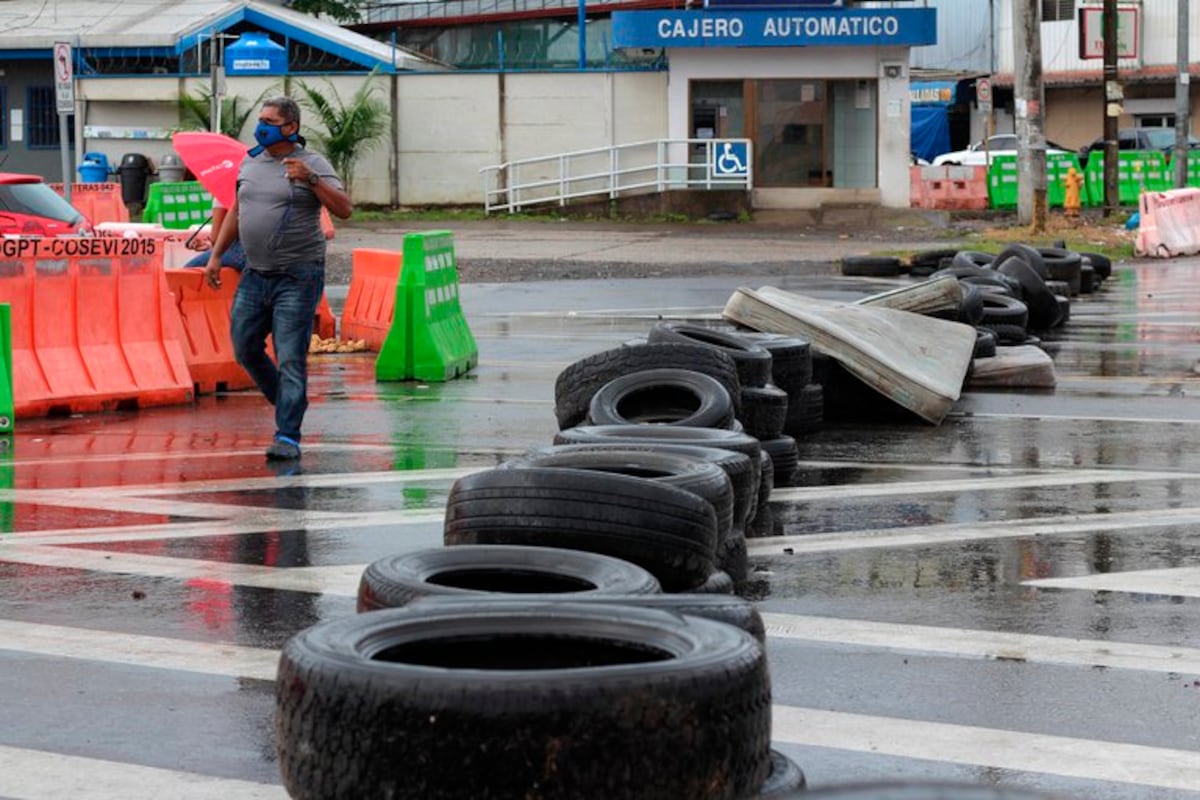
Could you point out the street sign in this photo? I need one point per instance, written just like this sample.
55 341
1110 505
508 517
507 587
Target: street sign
1091 32
730 159
64 79
983 95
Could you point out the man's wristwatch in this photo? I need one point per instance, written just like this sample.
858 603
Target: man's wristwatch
313 179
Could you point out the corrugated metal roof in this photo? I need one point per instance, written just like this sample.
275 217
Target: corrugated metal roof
178 24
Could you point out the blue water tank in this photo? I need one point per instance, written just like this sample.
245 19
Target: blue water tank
255 54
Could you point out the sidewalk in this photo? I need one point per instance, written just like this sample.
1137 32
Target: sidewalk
502 251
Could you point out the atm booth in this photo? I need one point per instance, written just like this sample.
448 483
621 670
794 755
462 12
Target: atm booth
820 90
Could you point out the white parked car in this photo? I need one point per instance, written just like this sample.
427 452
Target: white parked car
1004 144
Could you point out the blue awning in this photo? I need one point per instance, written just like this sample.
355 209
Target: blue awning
932 93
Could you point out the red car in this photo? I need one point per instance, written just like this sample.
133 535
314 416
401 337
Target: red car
29 207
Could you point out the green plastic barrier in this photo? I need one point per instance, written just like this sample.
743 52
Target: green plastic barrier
1057 166
1002 182
429 339
6 387
1193 169
177 205
1136 170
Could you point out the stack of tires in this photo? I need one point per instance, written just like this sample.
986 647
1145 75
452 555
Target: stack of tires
1013 298
578 634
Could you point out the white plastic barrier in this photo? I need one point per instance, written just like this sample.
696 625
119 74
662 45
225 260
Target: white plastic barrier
1170 223
173 241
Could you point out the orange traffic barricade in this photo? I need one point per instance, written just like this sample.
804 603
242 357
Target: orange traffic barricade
92 326
371 300
204 324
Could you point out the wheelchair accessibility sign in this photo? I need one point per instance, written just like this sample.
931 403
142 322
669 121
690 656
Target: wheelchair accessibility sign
730 159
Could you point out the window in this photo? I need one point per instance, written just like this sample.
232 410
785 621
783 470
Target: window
1058 10
41 119
3 117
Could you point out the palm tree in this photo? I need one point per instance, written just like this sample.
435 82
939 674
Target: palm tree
195 112
351 129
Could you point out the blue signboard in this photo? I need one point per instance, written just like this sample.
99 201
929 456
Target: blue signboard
730 159
779 27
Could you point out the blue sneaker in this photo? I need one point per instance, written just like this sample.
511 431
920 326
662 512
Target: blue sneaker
283 449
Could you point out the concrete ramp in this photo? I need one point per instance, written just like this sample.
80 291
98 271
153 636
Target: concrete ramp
916 361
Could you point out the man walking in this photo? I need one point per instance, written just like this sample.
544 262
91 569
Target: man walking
281 188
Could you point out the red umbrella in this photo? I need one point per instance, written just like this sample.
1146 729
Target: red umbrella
214 159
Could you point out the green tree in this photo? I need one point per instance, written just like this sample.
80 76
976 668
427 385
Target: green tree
351 128
344 11
195 112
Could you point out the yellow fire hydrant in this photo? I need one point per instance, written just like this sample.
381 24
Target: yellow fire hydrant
1072 201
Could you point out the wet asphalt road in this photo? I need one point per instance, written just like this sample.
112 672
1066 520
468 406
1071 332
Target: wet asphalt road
1008 598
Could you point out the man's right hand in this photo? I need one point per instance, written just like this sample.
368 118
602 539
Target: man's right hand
212 274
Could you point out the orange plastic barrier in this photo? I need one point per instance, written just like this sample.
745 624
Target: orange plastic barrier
325 324
1170 223
949 187
204 320
371 300
99 202
92 326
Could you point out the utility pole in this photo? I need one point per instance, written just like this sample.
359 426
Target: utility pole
1113 95
1030 112
1183 108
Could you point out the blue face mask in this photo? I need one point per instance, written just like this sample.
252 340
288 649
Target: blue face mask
267 134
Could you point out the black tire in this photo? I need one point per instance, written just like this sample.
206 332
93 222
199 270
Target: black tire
1063 265
1064 310
1087 278
575 385
995 282
970 309
807 412
732 556
785 778
517 698
871 266
763 525
739 468
662 397
486 571
693 472
1059 288
985 343
762 519
1030 255
791 359
737 442
721 608
930 258
1101 263
961 271
764 410
1008 335
973 258
753 362
719 582
670 532
999 309
785 459
1041 305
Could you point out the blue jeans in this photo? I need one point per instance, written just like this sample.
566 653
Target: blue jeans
282 304
234 256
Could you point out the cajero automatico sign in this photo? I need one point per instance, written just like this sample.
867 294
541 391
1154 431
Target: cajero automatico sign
782 26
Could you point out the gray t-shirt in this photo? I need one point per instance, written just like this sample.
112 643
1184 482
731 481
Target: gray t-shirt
279 221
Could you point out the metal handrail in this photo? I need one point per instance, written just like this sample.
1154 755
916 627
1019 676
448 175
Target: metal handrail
633 168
